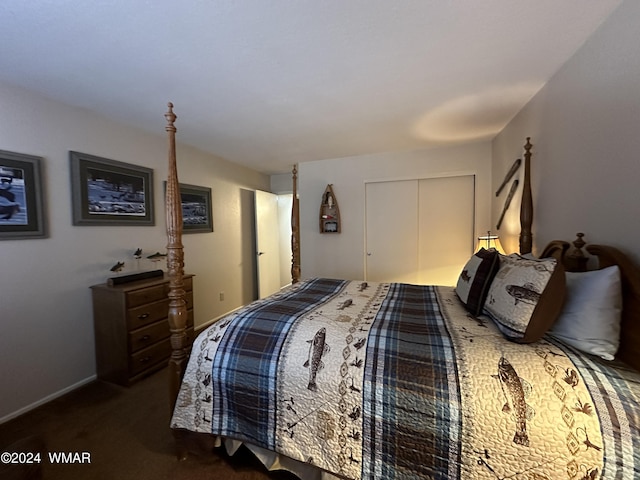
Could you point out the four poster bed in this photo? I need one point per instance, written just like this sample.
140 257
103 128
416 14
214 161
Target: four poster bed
498 377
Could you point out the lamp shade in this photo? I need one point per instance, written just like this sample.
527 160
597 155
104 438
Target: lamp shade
489 241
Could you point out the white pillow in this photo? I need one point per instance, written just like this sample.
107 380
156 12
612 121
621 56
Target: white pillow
590 319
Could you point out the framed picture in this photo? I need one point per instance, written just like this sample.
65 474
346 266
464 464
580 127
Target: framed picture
108 192
21 205
196 208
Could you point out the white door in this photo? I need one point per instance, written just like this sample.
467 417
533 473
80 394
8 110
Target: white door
419 231
391 231
267 243
446 212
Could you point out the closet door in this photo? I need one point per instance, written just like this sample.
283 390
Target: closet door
419 231
445 228
391 243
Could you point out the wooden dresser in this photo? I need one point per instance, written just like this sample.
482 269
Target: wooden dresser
131 327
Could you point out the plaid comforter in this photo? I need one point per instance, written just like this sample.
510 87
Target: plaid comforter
375 380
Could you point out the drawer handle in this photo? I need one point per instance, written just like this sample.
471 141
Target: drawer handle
144 359
146 338
142 316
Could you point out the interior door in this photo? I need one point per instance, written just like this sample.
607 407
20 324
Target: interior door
267 243
391 231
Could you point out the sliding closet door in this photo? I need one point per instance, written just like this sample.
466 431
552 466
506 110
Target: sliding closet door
446 226
419 231
391 231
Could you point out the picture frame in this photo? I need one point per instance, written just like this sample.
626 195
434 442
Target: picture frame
22 214
196 208
108 192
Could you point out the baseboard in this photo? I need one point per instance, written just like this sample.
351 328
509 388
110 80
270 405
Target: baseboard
47 399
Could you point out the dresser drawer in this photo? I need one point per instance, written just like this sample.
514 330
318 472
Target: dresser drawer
152 312
149 356
145 336
154 354
146 314
154 293
146 295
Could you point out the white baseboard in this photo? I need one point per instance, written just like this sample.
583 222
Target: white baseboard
48 398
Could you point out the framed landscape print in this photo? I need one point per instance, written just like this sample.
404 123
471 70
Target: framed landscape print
196 208
109 192
21 205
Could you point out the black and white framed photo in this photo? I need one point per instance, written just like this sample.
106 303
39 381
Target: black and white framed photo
21 205
196 208
109 192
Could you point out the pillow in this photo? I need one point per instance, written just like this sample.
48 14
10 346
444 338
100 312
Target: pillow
590 319
473 282
526 297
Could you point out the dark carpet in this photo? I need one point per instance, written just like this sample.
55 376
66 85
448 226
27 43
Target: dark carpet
123 432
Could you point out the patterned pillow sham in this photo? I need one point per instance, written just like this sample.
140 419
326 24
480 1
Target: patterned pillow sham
526 297
474 280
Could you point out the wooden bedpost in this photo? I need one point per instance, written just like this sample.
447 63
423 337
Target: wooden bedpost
175 268
526 207
295 230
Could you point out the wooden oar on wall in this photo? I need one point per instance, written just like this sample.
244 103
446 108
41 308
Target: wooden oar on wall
507 177
507 202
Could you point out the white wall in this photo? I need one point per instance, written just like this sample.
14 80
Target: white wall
47 344
585 128
282 183
342 255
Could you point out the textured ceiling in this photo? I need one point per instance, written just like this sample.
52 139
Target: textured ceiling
268 83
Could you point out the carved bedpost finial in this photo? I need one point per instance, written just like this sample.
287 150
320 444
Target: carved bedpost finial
576 260
171 118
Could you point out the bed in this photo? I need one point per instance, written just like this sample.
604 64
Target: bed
333 378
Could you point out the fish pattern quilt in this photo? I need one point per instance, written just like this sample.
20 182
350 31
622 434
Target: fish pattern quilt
398 381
